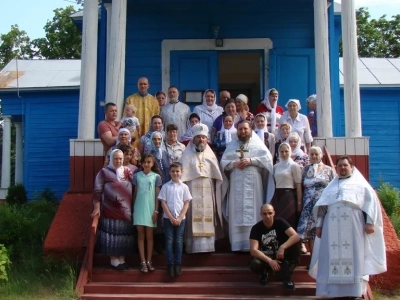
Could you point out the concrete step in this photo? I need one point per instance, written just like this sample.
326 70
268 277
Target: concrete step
190 274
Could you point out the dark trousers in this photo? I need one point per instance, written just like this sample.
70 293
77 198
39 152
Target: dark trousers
261 267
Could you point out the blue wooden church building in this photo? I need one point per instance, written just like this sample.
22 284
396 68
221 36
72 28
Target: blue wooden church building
244 46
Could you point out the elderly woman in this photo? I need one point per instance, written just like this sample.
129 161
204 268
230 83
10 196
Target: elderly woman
284 131
112 200
124 138
270 108
162 157
312 115
298 121
241 102
229 110
316 177
161 98
298 155
156 124
209 110
287 199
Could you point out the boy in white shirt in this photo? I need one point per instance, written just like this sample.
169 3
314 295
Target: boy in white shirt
174 197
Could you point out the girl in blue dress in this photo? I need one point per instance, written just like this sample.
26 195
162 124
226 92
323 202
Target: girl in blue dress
147 185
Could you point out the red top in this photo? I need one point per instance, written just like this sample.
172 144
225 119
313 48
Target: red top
262 108
102 128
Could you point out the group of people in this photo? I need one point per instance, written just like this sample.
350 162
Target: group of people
209 173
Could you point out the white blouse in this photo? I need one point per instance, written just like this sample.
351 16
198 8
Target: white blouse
287 175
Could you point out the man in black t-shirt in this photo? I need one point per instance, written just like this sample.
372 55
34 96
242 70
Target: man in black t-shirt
274 246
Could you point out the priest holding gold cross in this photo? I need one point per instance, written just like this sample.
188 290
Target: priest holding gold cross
247 163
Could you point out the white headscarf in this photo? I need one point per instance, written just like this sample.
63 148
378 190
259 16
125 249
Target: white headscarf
297 151
312 172
285 163
260 132
212 107
119 171
228 132
124 130
295 101
269 107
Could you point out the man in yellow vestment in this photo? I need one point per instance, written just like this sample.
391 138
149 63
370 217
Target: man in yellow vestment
147 105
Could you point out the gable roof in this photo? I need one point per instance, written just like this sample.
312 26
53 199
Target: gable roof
375 72
40 74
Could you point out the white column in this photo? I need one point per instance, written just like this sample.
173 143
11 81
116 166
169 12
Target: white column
6 159
323 81
19 158
87 96
108 7
115 79
352 107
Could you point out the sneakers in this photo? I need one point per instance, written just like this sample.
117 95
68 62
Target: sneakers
303 248
289 285
263 278
171 271
178 270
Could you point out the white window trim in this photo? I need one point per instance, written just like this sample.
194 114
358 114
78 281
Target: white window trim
167 46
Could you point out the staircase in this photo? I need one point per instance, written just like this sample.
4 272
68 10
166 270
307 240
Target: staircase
204 276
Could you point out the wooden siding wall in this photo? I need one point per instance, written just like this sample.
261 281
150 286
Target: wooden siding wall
380 111
289 23
86 160
50 121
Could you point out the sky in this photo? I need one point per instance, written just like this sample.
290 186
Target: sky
32 15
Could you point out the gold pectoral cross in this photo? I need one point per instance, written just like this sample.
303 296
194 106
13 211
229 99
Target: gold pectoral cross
200 165
241 150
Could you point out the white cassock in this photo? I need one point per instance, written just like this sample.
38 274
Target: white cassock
345 255
202 175
178 114
246 189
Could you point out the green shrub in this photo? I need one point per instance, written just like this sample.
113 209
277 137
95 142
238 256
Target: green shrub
49 195
14 225
389 196
395 219
16 194
4 263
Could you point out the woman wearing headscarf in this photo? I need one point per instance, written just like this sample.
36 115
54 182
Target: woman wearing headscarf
282 136
241 102
162 157
270 108
298 121
124 138
156 124
298 155
209 110
287 199
112 200
316 177
230 110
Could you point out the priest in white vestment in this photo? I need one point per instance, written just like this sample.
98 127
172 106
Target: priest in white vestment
247 163
202 175
349 228
175 112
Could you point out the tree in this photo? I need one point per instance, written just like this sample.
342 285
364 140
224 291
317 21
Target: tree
377 37
63 39
15 44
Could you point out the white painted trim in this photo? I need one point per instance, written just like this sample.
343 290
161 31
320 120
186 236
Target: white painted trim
209 44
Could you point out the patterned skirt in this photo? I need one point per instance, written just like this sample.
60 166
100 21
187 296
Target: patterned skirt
115 237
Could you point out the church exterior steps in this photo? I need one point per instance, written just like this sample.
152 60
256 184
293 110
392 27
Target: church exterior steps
190 274
191 296
199 288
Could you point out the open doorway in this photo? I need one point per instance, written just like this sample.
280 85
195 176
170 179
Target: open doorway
240 73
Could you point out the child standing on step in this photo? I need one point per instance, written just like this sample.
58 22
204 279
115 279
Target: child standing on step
174 197
147 186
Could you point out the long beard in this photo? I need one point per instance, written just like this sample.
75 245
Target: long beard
173 100
244 139
201 147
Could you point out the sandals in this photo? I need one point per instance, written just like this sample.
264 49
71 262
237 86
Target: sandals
150 266
144 268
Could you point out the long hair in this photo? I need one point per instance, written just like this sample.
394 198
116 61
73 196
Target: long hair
155 167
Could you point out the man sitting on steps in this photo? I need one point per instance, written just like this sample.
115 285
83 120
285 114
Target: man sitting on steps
274 247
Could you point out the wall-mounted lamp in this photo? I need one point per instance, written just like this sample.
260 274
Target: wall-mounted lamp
218 41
